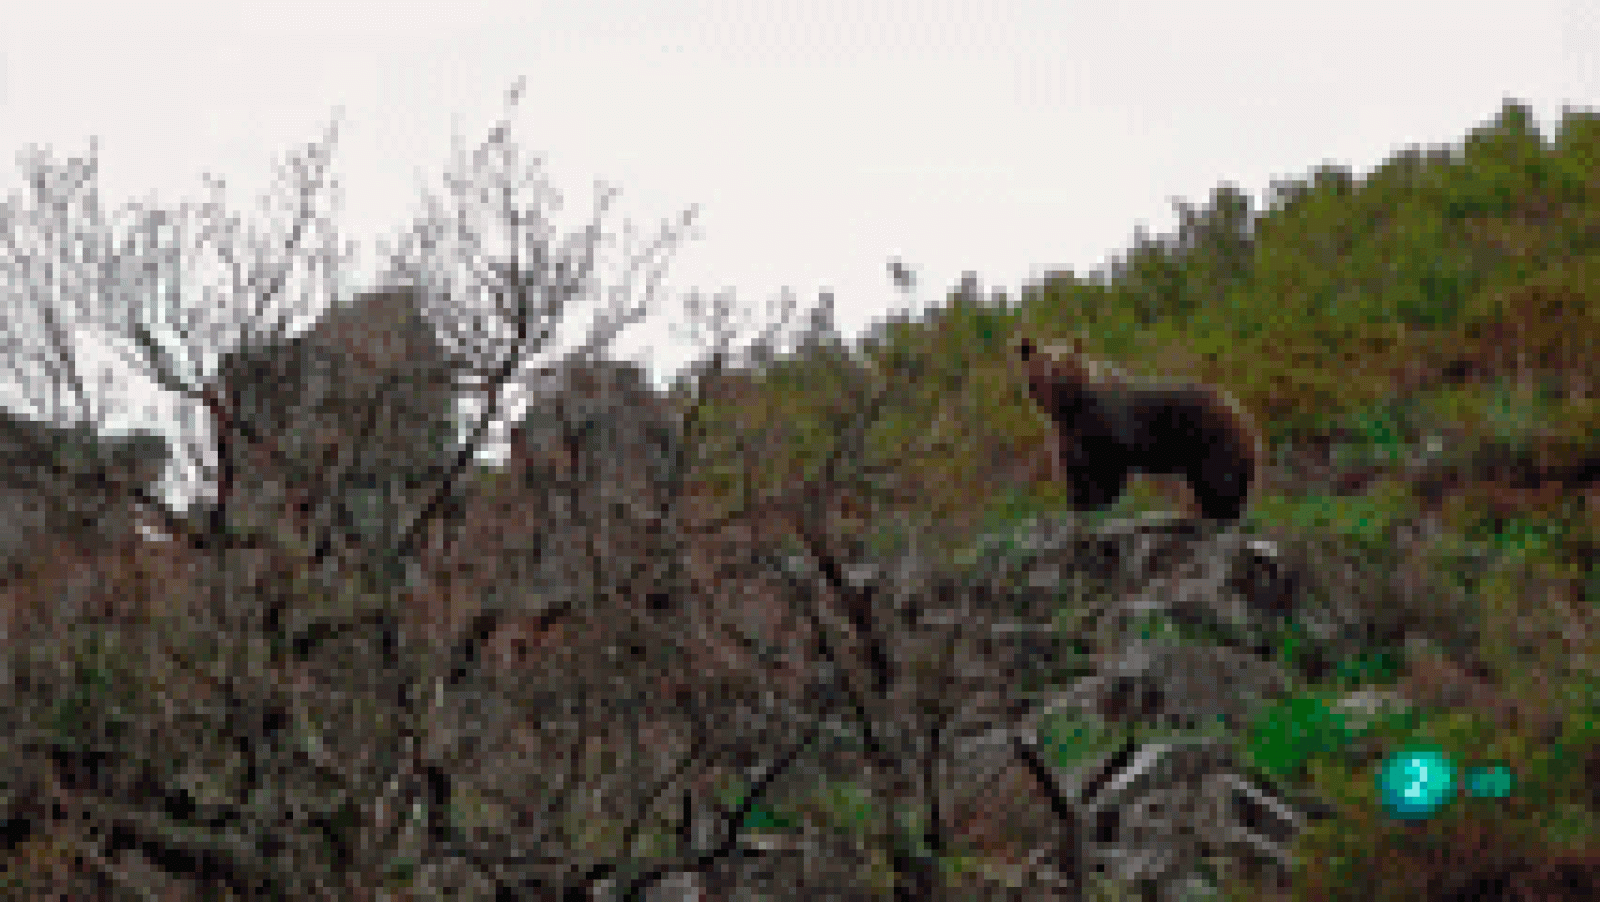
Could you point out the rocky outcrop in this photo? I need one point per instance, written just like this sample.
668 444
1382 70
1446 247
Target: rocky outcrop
341 426
1151 811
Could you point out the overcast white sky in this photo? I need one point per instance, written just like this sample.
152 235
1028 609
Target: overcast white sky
818 137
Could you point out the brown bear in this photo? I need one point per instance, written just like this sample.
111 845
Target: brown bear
1109 427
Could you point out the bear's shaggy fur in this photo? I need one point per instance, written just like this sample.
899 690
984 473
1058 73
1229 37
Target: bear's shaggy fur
1108 427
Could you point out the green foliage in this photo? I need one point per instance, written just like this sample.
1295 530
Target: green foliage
1519 536
1500 412
1367 521
845 806
1565 771
1503 163
1376 667
1014 511
1285 735
1063 304
1363 851
1069 739
973 328
1430 281
1416 243
1515 598
97 706
1170 278
1385 429
762 818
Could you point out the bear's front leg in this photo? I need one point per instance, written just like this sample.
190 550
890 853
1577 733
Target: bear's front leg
1095 487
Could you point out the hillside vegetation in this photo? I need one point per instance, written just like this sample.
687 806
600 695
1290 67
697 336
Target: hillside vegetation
1422 347
1432 323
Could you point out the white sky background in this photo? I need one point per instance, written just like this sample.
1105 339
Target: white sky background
819 137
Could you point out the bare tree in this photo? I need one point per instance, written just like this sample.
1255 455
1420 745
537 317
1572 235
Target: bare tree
903 278
61 476
317 721
705 635
308 737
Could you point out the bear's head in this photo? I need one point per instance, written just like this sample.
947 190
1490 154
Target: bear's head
1056 371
